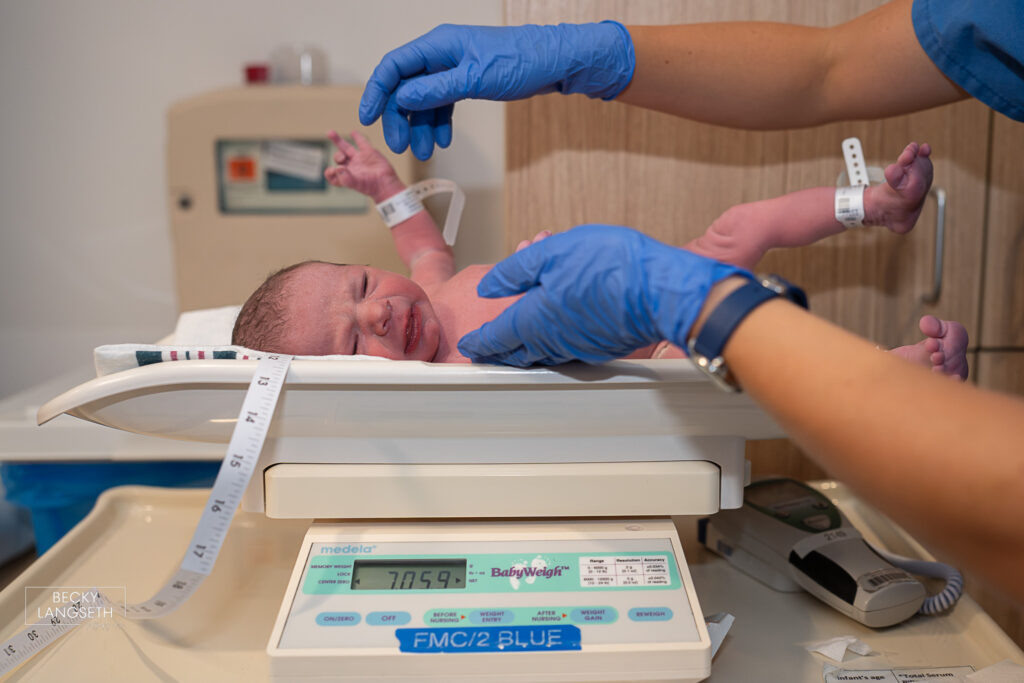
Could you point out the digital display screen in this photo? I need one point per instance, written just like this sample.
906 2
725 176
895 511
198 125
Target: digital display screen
775 493
398 575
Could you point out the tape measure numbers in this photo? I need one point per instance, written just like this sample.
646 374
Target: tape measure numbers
232 479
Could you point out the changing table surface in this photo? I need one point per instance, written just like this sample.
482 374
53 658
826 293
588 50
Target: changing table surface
136 536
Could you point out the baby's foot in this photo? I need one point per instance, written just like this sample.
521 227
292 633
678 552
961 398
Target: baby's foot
944 349
897 203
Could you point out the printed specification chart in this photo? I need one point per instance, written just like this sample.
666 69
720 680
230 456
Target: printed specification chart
624 570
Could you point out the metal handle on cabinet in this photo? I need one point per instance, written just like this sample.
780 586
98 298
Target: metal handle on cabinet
940 241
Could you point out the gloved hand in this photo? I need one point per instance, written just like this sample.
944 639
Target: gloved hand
416 86
594 293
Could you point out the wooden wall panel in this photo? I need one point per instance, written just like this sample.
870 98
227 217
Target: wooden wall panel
1003 308
1001 371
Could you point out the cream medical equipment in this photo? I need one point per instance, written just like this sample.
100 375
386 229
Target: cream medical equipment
547 491
247 193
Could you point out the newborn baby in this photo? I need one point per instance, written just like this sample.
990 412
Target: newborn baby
318 308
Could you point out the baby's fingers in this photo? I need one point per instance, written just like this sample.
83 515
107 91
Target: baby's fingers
345 148
362 144
339 177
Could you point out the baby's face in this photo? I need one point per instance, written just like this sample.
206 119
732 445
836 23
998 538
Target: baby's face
348 310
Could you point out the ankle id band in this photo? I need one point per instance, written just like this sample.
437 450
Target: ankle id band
850 206
409 202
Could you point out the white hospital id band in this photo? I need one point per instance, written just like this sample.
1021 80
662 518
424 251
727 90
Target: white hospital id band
399 208
850 206
407 203
235 472
856 169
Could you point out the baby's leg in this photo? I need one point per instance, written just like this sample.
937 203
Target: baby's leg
744 233
944 348
897 202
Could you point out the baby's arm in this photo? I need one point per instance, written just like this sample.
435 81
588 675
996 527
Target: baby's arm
745 232
417 239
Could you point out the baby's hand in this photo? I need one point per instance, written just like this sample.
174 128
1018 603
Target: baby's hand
537 238
362 168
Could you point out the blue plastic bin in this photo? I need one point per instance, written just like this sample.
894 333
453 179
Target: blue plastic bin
59 495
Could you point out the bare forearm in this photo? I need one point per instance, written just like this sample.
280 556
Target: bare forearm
767 76
940 457
419 242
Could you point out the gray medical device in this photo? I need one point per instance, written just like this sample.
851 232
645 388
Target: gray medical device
791 537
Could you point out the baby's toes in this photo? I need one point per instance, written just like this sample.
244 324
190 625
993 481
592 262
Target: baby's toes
908 155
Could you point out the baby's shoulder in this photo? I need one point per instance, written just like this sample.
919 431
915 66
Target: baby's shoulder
465 280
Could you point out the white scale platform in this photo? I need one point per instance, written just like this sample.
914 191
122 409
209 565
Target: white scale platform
461 446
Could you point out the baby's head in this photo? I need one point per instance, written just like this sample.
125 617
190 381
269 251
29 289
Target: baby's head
317 309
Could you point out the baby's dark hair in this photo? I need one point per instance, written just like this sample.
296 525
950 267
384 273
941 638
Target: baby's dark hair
261 322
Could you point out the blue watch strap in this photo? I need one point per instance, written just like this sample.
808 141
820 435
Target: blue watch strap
708 345
727 315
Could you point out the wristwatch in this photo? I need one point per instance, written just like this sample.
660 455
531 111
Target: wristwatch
706 348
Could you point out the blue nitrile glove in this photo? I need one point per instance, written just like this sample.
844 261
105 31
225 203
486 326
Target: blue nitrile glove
594 293
416 86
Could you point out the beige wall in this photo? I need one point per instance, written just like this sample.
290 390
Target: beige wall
84 87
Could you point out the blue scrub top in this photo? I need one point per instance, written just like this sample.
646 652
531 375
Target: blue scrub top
979 45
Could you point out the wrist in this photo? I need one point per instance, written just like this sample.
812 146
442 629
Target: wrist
718 292
724 314
607 67
387 189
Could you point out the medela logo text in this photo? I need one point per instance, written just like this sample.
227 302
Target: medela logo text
520 572
350 549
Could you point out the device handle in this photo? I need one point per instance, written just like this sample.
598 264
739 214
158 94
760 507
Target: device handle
932 297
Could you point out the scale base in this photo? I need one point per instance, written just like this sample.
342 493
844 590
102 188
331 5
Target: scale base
496 602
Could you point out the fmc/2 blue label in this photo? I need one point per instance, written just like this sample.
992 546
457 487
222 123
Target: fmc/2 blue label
489 639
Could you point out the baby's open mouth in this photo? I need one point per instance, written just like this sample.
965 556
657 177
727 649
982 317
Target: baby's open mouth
412 330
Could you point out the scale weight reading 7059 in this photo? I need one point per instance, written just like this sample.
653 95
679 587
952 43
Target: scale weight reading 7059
491 601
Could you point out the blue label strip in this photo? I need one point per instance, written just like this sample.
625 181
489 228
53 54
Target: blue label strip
489 639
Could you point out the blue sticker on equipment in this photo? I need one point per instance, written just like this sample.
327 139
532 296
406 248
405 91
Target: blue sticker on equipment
489 639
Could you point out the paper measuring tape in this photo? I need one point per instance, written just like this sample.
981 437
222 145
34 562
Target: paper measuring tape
409 202
232 479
